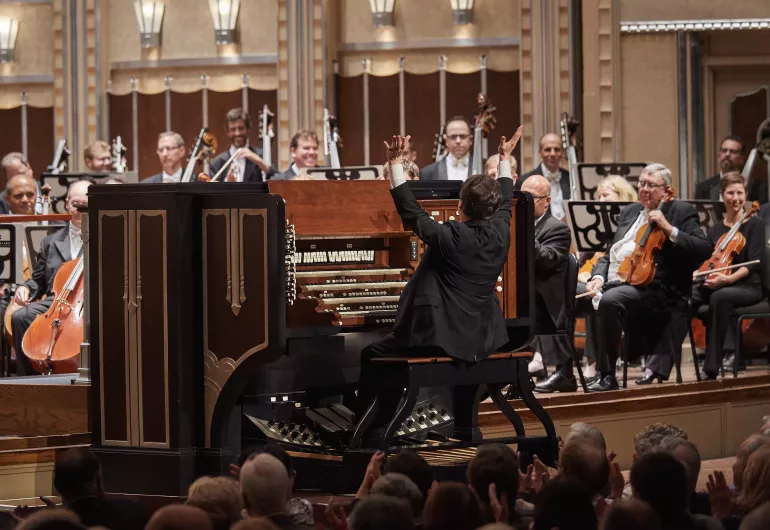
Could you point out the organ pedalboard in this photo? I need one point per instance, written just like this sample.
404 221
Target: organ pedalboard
330 427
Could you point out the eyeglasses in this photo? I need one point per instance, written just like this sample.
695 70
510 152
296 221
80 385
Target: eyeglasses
649 185
455 137
165 149
726 151
538 197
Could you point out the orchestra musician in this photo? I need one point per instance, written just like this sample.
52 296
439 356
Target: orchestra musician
248 166
458 162
171 153
449 306
731 158
98 157
11 165
552 242
685 248
303 149
724 292
551 153
490 167
61 246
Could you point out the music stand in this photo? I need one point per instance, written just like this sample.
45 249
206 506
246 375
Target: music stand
589 176
345 173
60 184
593 223
709 213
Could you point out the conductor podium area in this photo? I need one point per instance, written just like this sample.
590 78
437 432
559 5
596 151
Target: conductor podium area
217 321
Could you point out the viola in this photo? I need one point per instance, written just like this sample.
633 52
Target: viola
729 245
639 267
52 342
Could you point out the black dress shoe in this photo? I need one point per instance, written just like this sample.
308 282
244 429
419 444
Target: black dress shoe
648 379
604 383
708 376
558 382
590 380
540 375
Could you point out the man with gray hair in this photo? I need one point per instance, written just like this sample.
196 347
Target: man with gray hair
171 153
618 302
401 487
580 431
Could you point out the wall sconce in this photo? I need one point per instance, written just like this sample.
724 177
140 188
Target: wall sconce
9 28
224 13
382 12
462 11
150 18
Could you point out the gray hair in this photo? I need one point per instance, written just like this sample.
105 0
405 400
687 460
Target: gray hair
691 460
265 485
171 134
649 438
399 486
659 169
584 431
10 158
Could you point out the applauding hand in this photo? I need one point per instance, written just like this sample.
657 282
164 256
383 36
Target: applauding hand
395 151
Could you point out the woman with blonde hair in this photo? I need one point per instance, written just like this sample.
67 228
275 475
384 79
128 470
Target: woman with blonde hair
616 188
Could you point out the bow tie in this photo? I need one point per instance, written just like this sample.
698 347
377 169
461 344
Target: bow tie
462 162
554 177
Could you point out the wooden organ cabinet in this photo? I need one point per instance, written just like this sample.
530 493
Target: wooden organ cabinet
202 306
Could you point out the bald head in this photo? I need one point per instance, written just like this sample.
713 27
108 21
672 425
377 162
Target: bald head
179 517
265 485
540 189
77 196
551 151
21 194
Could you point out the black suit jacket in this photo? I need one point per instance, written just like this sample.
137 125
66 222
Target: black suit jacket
54 250
155 179
564 182
709 190
675 262
251 172
285 175
450 301
438 170
552 242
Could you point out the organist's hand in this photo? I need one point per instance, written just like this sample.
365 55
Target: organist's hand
22 295
395 150
507 147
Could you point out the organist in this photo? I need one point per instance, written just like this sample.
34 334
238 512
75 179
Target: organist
98 157
449 307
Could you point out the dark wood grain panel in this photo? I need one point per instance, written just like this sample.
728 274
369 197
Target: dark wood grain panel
120 108
423 116
10 135
350 119
258 99
43 410
503 90
151 122
151 275
461 92
40 143
383 114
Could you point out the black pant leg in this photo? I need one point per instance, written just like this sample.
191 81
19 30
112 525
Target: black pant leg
611 315
721 325
20 322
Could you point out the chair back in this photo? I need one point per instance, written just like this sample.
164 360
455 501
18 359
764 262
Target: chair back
765 269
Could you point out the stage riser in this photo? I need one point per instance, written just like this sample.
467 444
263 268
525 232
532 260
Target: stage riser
43 410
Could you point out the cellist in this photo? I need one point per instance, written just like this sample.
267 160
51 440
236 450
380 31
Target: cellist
63 245
685 248
728 290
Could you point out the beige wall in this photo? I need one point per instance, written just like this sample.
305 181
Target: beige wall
693 10
34 44
649 99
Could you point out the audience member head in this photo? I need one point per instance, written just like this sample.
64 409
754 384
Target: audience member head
220 497
378 512
661 480
650 437
631 514
564 503
401 487
480 197
758 519
616 188
756 480
583 461
238 123
494 161
304 149
21 194
731 154
77 473
98 156
496 526
551 151
180 517
540 189
77 196
171 151
51 520
283 457
494 464
686 452
458 137
585 431
254 523
452 505
265 485
14 164
749 445
411 464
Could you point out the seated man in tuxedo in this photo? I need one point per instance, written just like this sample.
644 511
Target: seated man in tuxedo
458 162
171 153
552 242
249 165
686 247
731 158
551 154
303 149
61 246
11 165
98 157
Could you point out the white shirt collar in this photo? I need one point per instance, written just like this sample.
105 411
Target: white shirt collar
547 173
540 218
176 177
452 159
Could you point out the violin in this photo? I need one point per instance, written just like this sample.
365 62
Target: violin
729 245
639 267
52 342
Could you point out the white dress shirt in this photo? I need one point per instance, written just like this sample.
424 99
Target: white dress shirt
76 242
170 179
557 197
238 165
623 248
457 168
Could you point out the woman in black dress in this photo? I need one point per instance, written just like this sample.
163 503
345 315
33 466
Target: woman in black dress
726 291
